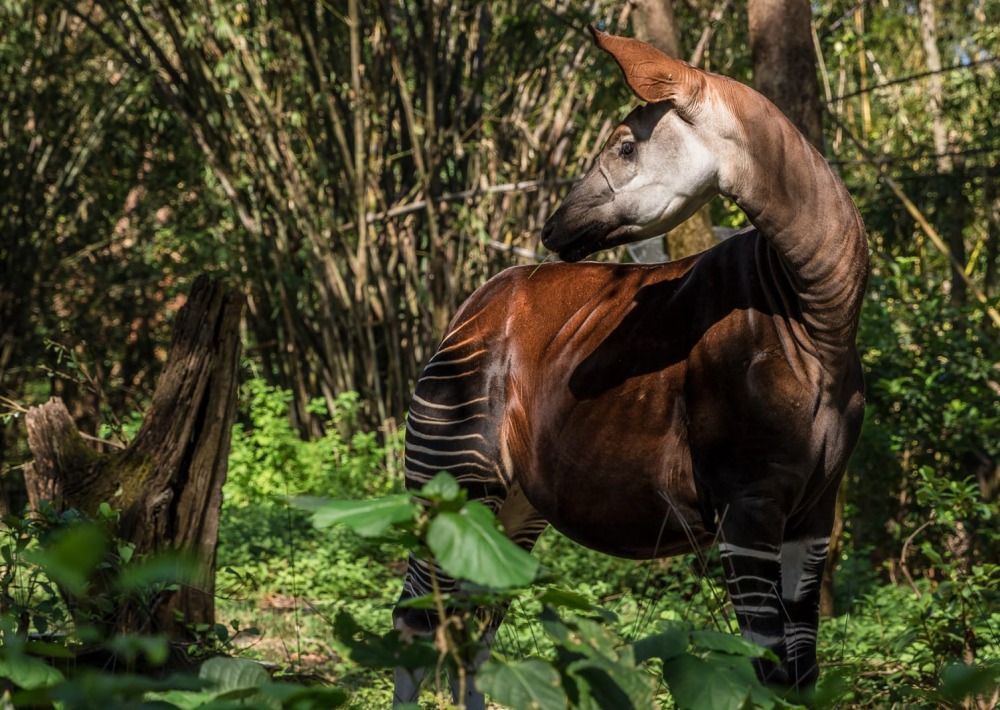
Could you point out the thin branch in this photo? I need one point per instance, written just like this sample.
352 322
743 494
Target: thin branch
906 546
706 34
416 206
921 220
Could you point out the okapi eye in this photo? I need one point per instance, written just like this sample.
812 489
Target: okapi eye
627 149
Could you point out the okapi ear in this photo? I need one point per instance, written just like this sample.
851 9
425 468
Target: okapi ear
651 74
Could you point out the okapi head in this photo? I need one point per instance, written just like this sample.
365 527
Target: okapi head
660 164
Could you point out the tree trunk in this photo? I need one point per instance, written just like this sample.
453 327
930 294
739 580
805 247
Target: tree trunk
656 24
784 62
991 197
951 215
168 482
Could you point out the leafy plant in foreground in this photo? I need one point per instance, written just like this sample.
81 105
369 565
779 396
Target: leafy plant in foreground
63 572
592 666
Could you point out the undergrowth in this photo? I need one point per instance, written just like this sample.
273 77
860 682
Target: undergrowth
890 643
922 629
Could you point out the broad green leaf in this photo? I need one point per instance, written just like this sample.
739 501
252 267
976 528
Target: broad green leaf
468 545
162 568
613 683
532 684
129 646
294 696
373 651
48 649
369 518
580 635
310 504
233 674
729 643
180 698
27 672
665 645
698 684
959 681
833 687
90 685
71 556
565 599
442 487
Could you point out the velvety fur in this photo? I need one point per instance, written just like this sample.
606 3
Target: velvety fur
648 410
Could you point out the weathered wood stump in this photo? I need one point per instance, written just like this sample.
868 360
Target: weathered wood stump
168 482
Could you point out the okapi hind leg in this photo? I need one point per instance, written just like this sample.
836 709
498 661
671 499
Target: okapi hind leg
803 557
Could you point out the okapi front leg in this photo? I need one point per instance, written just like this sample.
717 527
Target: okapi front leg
751 559
802 563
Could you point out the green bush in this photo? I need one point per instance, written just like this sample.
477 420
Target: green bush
269 459
68 574
590 665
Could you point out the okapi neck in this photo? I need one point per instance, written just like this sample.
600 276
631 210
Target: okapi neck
798 203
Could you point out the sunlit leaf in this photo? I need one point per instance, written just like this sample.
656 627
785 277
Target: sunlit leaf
369 518
442 487
468 545
27 672
531 684
699 684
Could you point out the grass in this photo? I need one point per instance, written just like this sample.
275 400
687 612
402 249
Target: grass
288 581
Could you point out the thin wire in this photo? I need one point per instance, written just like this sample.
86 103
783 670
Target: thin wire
889 159
914 77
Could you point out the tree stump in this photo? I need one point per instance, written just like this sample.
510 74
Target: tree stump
168 482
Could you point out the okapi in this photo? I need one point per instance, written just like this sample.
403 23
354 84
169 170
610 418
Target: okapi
646 410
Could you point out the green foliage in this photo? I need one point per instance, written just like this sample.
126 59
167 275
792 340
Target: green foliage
66 569
270 552
62 570
241 682
369 518
691 656
932 421
270 459
463 536
468 544
124 180
592 667
532 683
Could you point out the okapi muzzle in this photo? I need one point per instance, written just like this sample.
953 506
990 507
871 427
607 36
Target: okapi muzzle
653 410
